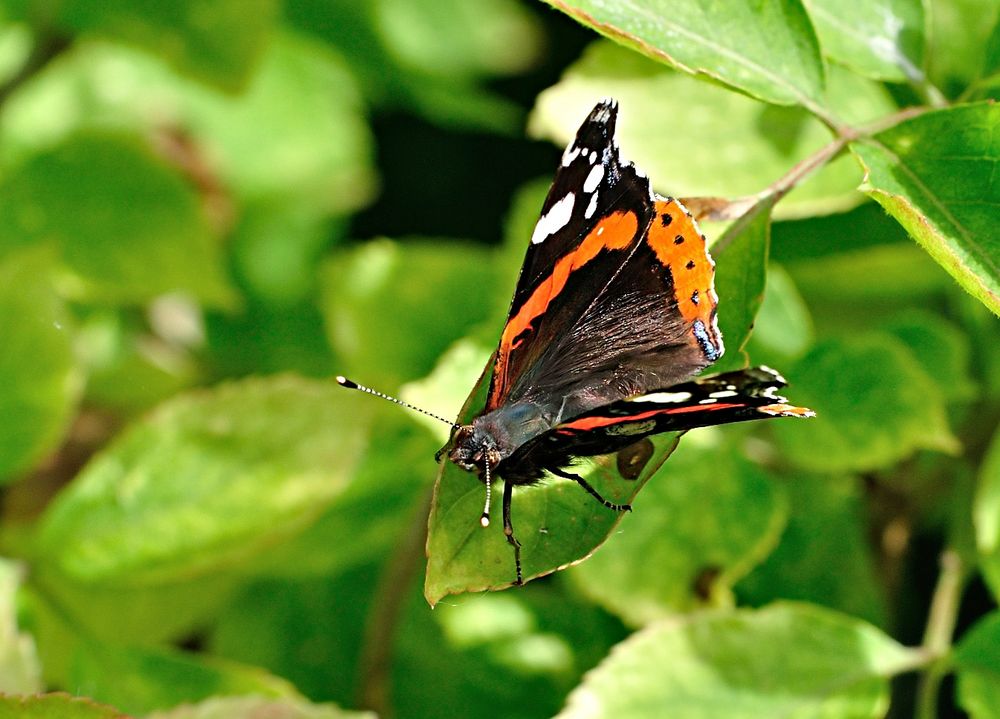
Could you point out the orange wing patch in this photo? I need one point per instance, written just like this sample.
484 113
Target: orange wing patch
680 246
614 232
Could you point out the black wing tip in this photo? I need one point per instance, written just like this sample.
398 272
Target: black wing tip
599 127
604 112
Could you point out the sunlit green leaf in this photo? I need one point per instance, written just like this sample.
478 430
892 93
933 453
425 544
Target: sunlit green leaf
986 515
453 38
882 39
20 672
977 660
127 226
215 40
392 307
144 680
253 706
874 404
386 496
740 277
785 660
700 525
205 480
39 378
933 174
767 50
294 137
959 33
55 706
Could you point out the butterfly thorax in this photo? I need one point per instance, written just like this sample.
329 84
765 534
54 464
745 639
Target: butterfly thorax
494 437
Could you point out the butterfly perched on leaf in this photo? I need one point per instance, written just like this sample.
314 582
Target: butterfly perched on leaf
613 317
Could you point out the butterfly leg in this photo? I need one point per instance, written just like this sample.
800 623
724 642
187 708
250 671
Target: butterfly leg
508 529
591 491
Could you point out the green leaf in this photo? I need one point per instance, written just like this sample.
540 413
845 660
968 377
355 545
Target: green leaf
781 661
941 348
960 32
391 308
206 481
141 616
20 672
986 515
874 404
705 520
311 631
522 650
144 680
881 39
55 706
933 174
252 706
296 137
697 139
977 664
557 522
388 489
823 556
446 389
218 41
305 96
783 329
768 50
454 39
127 226
740 276
39 378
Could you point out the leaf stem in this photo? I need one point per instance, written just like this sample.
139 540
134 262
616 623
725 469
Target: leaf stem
940 629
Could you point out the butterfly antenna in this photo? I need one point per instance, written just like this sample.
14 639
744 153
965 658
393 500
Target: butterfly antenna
485 519
344 382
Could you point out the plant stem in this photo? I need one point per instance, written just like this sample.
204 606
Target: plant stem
391 594
938 634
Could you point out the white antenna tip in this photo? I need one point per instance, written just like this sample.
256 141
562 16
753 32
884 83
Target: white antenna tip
485 520
344 382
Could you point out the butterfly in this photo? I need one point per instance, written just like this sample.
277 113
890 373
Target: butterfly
613 316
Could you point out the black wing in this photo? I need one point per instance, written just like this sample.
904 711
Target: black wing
738 396
616 295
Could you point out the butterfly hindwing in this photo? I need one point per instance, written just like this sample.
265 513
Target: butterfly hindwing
738 396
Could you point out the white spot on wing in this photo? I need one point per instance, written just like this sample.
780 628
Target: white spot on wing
569 155
592 208
663 397
555 219
594 178
723 393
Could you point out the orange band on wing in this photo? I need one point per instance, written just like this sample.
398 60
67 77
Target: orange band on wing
587 423
614 232
679 245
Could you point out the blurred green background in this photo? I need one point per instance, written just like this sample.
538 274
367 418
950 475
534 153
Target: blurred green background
209 208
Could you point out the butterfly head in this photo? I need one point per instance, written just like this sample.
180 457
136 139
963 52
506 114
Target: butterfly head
474 449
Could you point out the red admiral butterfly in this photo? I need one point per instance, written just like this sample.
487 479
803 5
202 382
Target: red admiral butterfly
613 314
